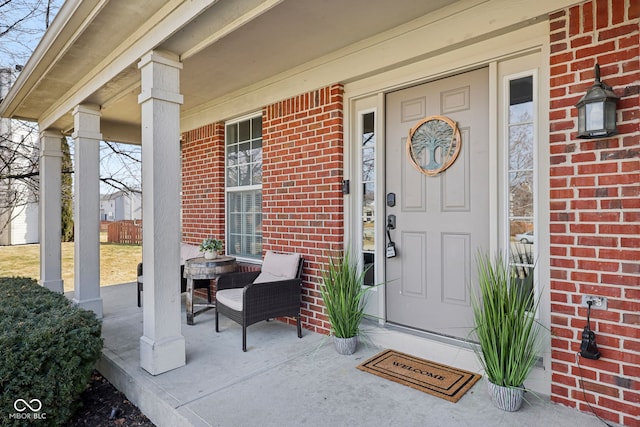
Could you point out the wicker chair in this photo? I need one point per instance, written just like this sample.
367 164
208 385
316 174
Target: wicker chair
251 297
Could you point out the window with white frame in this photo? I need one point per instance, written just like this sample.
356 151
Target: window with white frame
243 146
521 176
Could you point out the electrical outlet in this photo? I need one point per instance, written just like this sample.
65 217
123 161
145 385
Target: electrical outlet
598 302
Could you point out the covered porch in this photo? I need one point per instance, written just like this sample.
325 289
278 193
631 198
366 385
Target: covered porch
314 78
178 67
285 381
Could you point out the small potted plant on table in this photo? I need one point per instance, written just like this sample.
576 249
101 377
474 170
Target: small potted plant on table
211 247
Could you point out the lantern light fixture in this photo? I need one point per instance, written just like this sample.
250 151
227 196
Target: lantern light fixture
597 110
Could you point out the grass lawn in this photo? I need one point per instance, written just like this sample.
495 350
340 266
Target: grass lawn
117 262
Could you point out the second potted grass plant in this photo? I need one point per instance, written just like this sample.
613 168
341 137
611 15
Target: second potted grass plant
506 329
344 296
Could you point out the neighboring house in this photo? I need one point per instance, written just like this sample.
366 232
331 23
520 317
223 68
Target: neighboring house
280 107
18 201
120 206
21 225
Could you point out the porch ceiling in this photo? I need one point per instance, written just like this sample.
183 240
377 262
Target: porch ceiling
225 45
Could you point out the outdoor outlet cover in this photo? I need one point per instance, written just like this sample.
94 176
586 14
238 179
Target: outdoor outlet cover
599 303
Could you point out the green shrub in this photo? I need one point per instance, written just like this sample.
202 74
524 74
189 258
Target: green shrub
48 349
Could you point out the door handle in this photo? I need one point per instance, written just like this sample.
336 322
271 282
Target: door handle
391 222
391 246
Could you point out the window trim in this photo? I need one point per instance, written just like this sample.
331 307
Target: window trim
354 109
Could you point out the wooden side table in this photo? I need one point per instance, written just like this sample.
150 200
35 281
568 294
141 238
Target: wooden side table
201 268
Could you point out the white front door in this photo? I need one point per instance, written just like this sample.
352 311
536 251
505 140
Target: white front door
442 220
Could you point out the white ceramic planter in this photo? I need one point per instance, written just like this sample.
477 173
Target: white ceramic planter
211 255
345 345
506 398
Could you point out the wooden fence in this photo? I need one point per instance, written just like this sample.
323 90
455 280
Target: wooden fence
125 232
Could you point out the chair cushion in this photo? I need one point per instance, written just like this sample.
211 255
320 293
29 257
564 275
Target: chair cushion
232 298
277 267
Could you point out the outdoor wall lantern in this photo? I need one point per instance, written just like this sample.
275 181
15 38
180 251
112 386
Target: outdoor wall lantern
597 110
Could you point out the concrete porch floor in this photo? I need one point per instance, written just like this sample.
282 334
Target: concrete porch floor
284 381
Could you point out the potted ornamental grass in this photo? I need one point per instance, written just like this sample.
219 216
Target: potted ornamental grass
344 295
211 247
506 329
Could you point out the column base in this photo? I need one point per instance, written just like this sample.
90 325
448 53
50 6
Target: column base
157 357
54 285
94 304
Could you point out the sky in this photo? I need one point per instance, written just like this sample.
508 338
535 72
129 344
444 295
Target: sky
22 24
16 45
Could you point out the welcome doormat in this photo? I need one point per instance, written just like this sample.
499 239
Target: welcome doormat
434 378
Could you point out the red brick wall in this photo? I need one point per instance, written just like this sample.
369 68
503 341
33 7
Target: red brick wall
301 191
203 183
302 202
595 211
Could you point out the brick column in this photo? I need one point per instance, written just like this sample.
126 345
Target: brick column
303 204
595 211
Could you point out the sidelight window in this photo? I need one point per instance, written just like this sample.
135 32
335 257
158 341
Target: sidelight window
521 171
368 214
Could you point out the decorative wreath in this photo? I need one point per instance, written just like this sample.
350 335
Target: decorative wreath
434 144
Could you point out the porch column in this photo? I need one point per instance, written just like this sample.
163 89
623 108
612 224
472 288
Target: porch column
162 346
87 136
50 211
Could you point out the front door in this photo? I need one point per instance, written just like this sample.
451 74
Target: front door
441 220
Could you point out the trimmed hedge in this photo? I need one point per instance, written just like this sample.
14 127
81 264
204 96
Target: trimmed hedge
48 349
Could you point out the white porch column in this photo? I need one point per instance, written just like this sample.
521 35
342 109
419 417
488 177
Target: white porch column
162 346
50 211
87 136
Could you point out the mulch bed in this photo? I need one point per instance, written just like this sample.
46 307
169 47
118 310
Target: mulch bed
104 406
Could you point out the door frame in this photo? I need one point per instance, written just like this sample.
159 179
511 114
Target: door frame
371 92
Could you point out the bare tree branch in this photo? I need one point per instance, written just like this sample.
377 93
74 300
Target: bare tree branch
120 166
22 24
